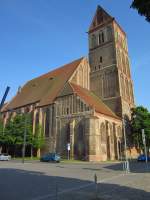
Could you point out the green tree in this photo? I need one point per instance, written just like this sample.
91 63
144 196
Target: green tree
1 134
15 129
140 120
1 125
143 8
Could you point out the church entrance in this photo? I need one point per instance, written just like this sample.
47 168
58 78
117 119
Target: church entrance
79 142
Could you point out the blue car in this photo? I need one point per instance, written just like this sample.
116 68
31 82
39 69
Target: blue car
142 158
50 157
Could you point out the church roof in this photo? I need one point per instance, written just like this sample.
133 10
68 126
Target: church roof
92 100
45 88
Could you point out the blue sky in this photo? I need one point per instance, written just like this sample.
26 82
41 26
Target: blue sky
37 36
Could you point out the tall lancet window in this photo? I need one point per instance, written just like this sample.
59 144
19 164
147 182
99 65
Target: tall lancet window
47 122
101 38
93 41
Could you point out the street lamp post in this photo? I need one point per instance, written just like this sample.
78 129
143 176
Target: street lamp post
144 143
24 139
127 167
69 139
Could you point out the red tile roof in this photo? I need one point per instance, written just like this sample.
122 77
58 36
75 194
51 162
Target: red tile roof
92 100
45 88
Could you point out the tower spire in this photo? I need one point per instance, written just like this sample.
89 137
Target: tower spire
101 17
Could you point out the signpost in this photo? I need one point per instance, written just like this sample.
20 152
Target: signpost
126 164
68 150
144 143
24 139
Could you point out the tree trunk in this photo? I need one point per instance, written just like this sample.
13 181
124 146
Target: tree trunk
31 152
14 150
38 153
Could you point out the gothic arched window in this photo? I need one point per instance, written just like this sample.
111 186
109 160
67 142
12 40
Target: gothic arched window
101 38
109 33
103 133
101 59
93 41
122 85
128 66
111 133
119 132
37 118
127 88
123 63
47 122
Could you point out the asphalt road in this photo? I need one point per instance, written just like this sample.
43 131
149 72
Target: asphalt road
43 181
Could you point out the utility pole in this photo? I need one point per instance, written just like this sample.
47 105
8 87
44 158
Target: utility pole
144 143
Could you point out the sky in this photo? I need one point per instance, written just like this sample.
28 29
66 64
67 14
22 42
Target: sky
37 36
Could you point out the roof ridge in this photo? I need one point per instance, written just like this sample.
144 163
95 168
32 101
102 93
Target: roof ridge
57 68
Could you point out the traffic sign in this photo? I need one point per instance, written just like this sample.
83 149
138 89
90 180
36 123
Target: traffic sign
68 146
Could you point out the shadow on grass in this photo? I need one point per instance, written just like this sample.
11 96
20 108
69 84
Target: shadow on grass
16 184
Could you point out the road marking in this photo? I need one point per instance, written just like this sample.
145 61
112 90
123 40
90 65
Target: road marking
77 188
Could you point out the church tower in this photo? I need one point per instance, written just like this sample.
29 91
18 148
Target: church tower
110 77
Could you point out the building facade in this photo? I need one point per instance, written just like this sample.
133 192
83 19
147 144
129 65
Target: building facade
82 103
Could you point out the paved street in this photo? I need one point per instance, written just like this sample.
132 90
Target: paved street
40 181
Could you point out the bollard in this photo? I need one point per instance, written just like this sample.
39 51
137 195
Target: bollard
96 186
123 166
126 167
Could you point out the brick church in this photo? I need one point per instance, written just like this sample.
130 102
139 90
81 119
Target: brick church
82 103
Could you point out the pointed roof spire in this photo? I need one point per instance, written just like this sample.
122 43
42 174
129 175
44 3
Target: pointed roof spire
100 18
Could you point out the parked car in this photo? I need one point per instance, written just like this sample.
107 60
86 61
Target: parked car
5 157
50 157
142 158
